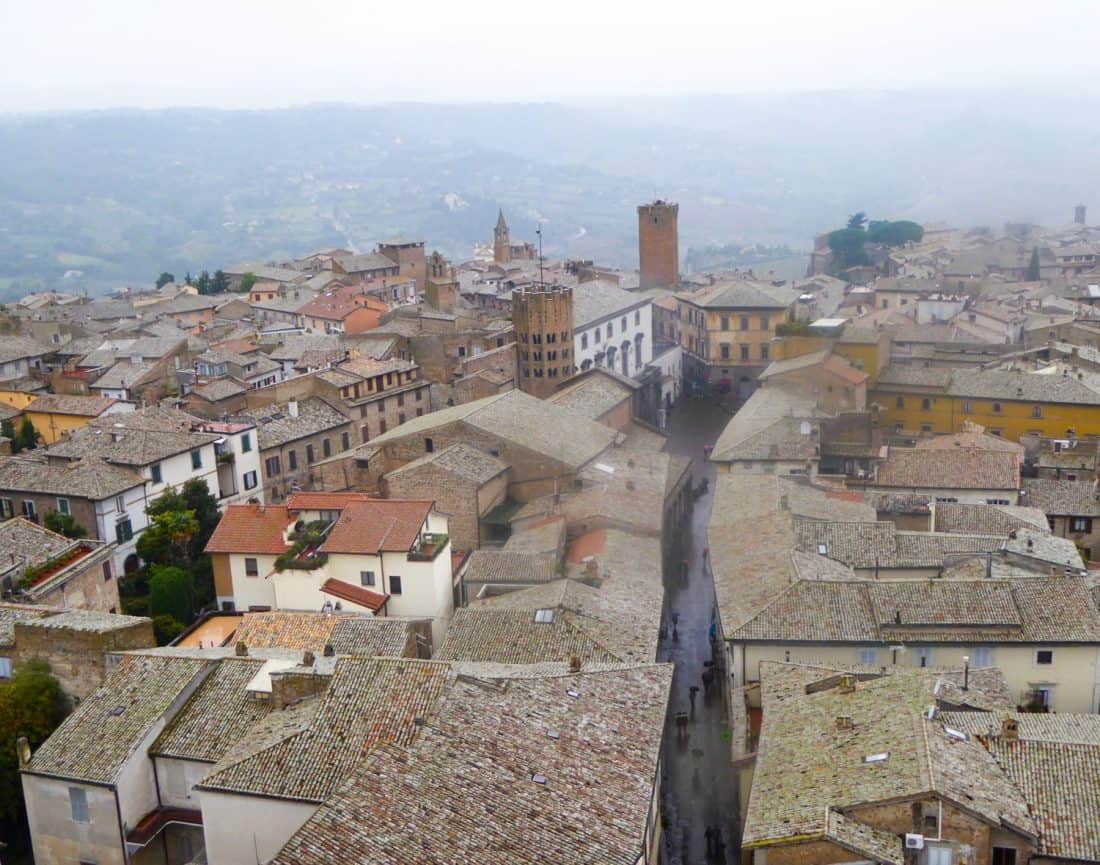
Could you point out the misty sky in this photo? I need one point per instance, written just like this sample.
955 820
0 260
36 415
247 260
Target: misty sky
241 53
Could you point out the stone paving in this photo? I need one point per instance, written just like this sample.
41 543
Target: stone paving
699 786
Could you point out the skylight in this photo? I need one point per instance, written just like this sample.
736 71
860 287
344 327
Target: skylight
544 617
877 758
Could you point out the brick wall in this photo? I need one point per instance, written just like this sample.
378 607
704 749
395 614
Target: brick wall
87 589
658 244
453 496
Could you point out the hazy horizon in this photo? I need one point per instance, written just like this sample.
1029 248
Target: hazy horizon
248 54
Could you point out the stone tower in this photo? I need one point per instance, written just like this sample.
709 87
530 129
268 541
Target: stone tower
502 242
543 319
441 286
658 244
1079 214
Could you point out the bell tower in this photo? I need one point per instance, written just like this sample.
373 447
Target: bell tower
502 242
658 244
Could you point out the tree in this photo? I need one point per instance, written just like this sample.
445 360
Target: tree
27 436
1033 266
220 282
31 705
897 233
164 279
187 279
166 540
170 593
847 247
247 281
8 431
167 628
857 221
65 524
203 283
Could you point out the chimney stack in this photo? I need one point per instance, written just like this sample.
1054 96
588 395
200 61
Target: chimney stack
1010 729
844 722
242 649
847 684
574 663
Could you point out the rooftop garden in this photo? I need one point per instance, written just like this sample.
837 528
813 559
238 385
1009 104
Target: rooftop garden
37 574
304 553
430 546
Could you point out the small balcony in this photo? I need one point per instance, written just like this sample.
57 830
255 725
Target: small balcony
428 547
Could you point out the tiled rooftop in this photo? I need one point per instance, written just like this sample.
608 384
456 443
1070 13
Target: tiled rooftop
964 468
469 779
90 477
95 741
275 426
136 438
1062 498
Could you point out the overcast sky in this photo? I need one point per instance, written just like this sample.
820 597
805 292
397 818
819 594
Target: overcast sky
61 54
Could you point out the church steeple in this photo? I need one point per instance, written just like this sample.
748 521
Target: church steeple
502 243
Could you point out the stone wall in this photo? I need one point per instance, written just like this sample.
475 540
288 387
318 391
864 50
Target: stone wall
76 656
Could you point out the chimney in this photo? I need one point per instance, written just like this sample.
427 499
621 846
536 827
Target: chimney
242 649
329 650
847 684
292 408
574 663
307 658
844 722
1010 729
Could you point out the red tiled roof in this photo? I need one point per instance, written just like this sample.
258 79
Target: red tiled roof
368 527
323 501
251 529
373 601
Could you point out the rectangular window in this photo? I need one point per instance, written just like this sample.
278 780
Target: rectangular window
744 352
419 395
381 426
158 475
763 351
292 459
107 575
899 402
124 530
638 318
401 418
78 805
400 400
868 657
364 433
345 441
996 408
29 510
395 584
251 567
981 656
429 445
366 578
1036 411
250 480
764 323
120 504
967 407
6 509
326 447
925 404
725 351
5 668
923 656
419 412
1004 856
196 459
725 322
63 507
1044 657
744 323
246 443
309 453
272 467
1077 524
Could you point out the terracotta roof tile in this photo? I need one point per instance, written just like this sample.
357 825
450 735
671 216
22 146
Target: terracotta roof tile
368 527
373 601
251 529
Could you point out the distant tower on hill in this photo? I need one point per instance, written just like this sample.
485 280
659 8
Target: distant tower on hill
543 319
658 244
502 242
1079 214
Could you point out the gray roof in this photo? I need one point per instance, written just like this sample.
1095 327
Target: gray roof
595 301
19 347
462 460
275 427
96 740
136 438
1062 498
738 294
89 478
1001 385
523 420
512 567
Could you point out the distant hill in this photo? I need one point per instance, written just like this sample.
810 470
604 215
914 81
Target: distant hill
115 197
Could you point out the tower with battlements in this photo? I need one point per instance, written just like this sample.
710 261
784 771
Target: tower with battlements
658 244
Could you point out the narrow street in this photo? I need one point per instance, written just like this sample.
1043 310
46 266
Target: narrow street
699 787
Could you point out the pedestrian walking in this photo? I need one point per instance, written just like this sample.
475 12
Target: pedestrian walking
719 845
692 691
681 724
708 680
709 835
